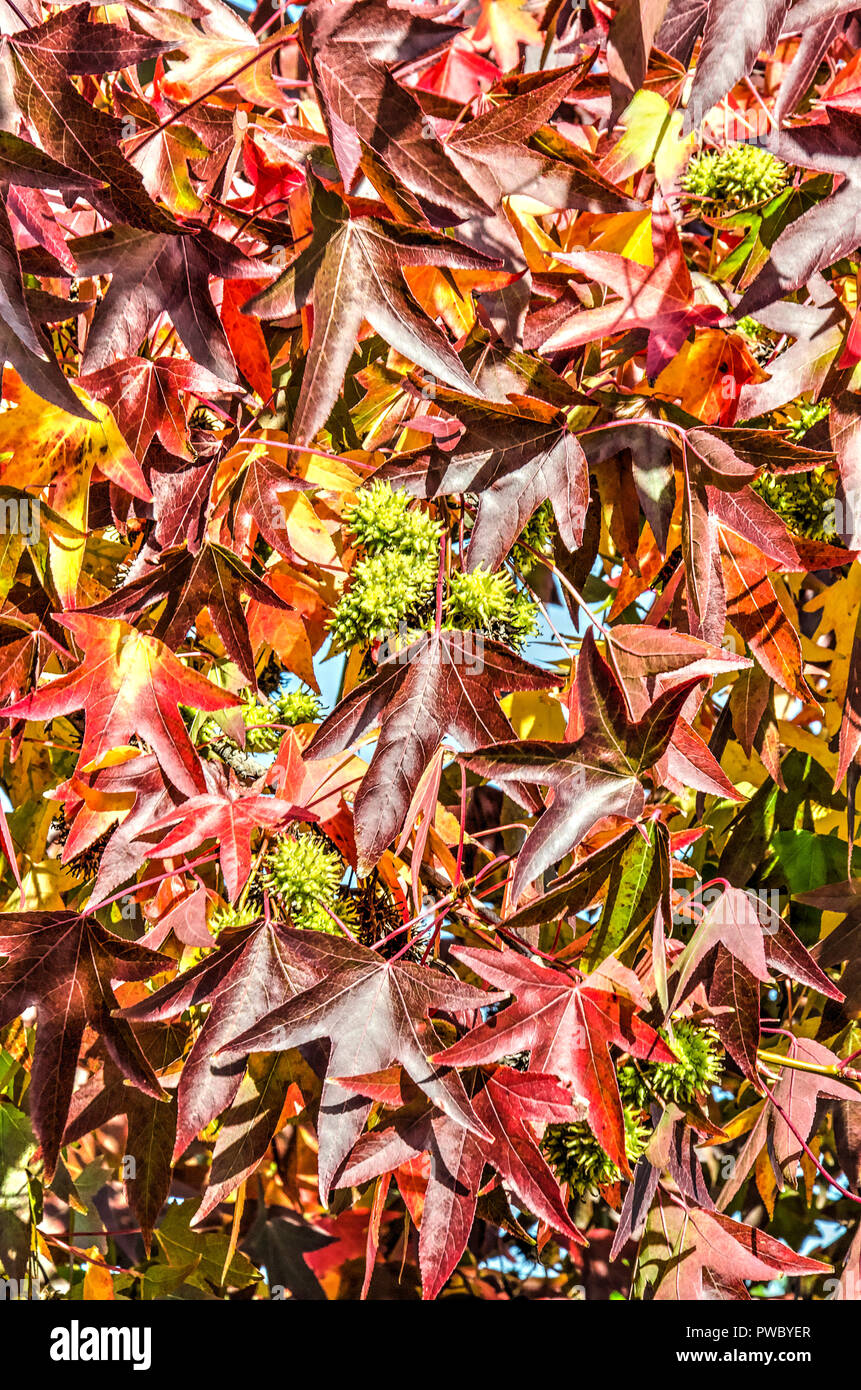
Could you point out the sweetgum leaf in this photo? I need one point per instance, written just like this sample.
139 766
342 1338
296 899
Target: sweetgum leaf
595 775
492 153
212 578
252 967
350 47
797 1096
153 272
567 1027
70 129
63 964
373 1012
514 456
440 685
659 298
735 31
688 1253
229 815
127 684
456 1161
353 270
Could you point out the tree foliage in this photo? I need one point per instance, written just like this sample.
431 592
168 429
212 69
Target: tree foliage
430 682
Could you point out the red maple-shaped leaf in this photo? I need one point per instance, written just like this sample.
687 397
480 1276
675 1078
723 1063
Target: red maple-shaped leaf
788 1116
419 1136
349 48
374 1013
444 683
514 455
264 488
659 298
352 271
228 815
596 775
688 1254
211 578
145 398
63 963
514 1106
757 936
128 684
152 273
567 1026
136 790
250 969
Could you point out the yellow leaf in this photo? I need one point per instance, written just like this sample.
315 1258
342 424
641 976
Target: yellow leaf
503 25
58 452
535 714
744 773
766 1183
98 1284
706 376
332 475
626 234
290 633
44 884
838 606
539 248
448 294
814 745
216 61
306 532
652 133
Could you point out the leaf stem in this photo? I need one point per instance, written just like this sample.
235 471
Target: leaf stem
262 52
776 1059
566 584
148 882
829 1177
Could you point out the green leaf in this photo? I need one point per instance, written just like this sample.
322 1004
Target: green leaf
207 1250
808 860
627 888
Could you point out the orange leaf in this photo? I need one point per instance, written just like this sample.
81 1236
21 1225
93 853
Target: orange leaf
246 336
707 375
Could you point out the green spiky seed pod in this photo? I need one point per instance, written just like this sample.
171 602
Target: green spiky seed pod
698 1069
479 600
303 876
297 707
805 501
382 519
538 535
523 621
232 918
809 414
257 715
737 177
577 1158
386 589
489 603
